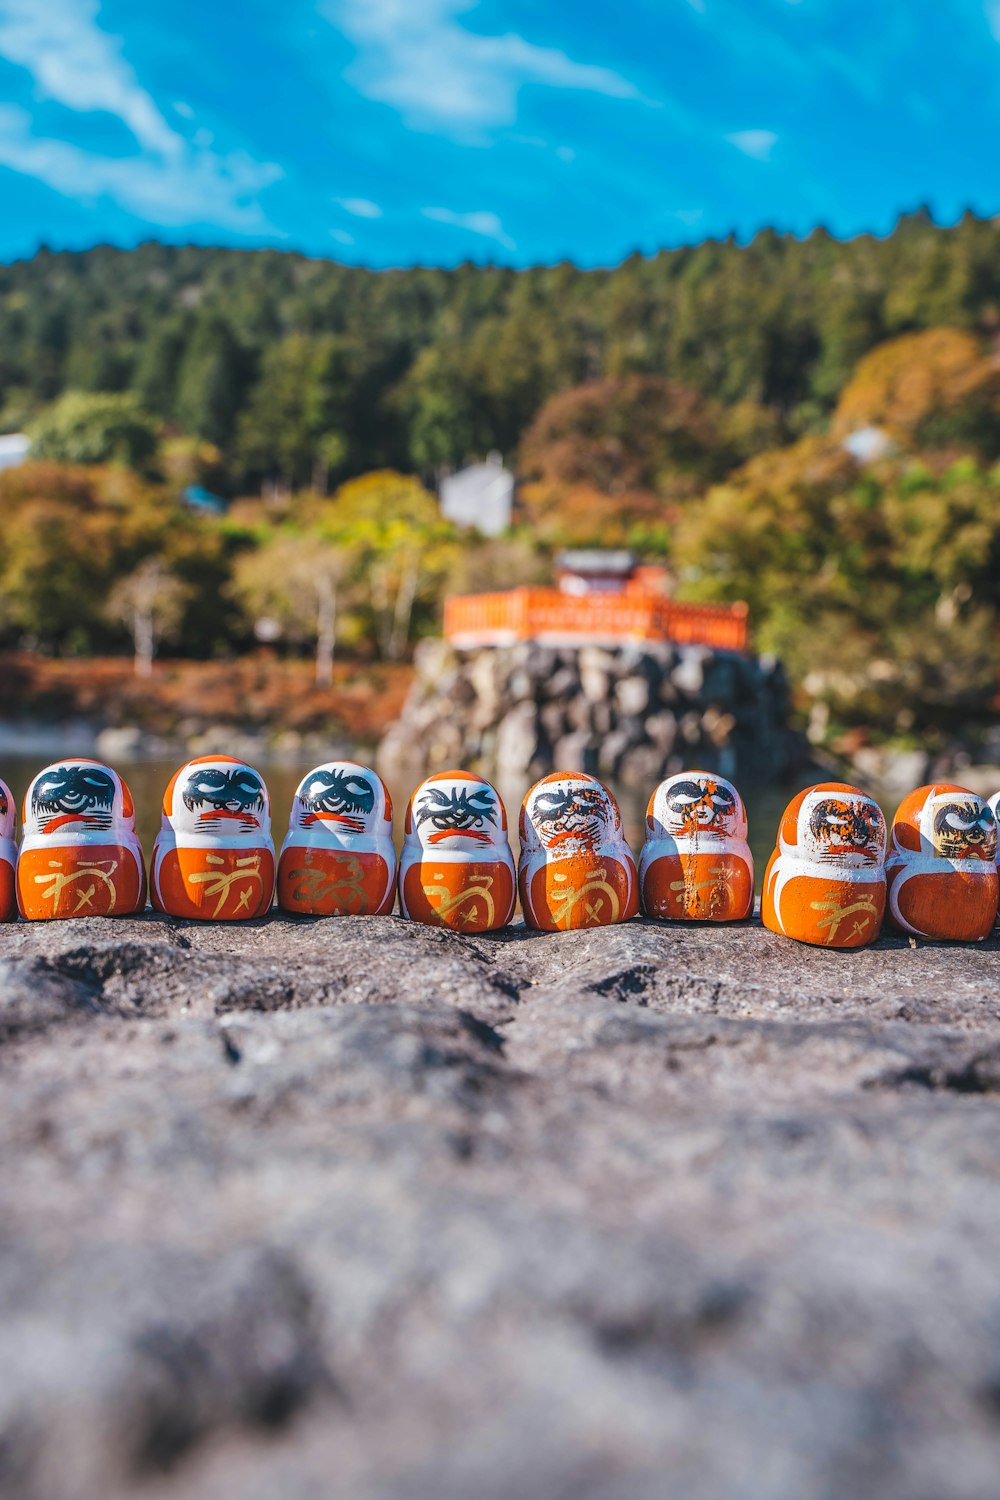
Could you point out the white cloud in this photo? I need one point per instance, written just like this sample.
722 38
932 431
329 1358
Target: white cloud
200 188
361 208
481 222
756 143
168 180
342 237
415 56
76 63
566 153
992 9
689 217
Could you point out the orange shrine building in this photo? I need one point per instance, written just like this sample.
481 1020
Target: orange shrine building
600 598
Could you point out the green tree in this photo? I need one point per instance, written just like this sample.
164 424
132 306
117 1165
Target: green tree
211 381
290 430
405 552
94 428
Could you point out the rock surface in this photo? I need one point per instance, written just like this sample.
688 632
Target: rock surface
354 1208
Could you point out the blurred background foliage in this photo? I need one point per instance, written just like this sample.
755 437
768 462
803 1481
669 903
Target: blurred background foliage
810 425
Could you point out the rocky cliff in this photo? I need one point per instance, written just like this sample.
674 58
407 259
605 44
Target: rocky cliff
633 714
355 1208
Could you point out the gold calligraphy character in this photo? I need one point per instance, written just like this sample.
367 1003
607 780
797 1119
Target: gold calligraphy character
219 882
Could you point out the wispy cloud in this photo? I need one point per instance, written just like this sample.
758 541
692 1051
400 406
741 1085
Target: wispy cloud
168 180
189 189
417 57
342 237
361 208
756 143
992 9
73 61
482 222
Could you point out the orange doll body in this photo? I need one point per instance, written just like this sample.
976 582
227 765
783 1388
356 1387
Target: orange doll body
80 856
456 869
8 856
575 869
941 868
825 882
994 806
696 863
338 858
213 858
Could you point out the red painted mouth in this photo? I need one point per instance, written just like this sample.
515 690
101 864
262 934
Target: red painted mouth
237 817
64 818
478 834
572 836
356 825
846 849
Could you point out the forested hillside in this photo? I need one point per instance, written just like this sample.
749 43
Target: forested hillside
296 368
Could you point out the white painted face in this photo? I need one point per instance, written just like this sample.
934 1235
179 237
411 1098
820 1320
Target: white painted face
958 825
841 828
457 813
81 801
216 798
697 804
6 812
343 799
567 814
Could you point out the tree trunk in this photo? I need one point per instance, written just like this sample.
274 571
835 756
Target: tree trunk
143 640
326 630
380 607
403 611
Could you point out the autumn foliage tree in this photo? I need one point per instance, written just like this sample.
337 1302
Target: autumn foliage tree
878 585
927 390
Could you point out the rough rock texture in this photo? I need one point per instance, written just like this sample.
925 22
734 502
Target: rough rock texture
633 714
354 1208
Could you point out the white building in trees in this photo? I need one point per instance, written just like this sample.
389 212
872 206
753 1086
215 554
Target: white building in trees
481 495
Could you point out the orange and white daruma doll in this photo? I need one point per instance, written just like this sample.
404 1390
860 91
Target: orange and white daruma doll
338 858
575 870
696 863
942 865
456 869
994 806
213 857
825 882
80 856
8 856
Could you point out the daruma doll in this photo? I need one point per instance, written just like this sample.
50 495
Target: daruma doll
696 864
994 806
8 856
456 869
338 858
941 868
825 882
213 858
575 870
80 855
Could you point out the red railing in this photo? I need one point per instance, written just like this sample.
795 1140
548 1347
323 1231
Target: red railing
536 614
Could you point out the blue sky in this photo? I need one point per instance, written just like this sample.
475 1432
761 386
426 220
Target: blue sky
388 132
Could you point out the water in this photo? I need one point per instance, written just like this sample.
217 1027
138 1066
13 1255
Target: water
148 779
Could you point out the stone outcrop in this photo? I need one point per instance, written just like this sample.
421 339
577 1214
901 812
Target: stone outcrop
633 714
355 1208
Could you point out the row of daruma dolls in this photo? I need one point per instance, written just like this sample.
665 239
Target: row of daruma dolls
831 879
